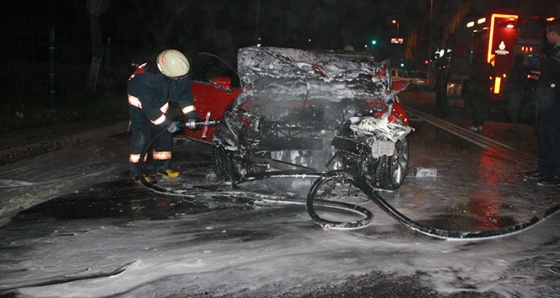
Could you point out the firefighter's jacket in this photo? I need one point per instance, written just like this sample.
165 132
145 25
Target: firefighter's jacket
152 92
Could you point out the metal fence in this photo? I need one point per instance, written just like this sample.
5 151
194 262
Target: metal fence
25 78
42 65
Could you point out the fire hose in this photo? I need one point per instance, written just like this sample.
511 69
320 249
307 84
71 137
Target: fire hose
373 195
186 125
344 177
190 196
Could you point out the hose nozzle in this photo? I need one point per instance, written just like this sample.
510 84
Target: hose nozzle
191 124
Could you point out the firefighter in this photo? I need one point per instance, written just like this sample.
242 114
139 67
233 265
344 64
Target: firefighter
153 86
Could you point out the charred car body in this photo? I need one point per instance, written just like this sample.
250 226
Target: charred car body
305 112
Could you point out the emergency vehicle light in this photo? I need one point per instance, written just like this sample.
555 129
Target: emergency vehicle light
509 17
526 49
497 83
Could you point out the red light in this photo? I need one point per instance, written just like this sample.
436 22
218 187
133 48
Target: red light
426 62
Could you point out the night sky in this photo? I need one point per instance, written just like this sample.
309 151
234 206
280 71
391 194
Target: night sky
222 26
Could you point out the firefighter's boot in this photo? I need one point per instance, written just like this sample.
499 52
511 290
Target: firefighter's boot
169 174
146 177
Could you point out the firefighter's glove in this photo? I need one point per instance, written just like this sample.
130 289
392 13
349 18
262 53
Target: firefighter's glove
173 128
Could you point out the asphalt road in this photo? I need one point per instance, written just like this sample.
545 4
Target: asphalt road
81 227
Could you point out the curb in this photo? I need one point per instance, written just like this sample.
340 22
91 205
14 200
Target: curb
18 153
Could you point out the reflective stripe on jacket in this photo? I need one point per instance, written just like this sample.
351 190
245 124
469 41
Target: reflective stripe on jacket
135 102
151 91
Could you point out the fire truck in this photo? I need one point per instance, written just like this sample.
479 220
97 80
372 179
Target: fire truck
497 37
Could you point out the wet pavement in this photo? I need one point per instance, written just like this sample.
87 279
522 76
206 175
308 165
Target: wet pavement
495 127
99 234
27 143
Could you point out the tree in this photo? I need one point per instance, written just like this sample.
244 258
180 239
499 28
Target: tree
160 18
96 9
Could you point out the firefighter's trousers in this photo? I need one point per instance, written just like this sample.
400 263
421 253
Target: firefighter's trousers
142 133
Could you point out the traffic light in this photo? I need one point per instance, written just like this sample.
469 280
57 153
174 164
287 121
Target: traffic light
373 42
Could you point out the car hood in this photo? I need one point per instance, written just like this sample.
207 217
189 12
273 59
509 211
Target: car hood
286 74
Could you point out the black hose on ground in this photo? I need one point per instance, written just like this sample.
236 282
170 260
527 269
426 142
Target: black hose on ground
367 215
156 188
373 195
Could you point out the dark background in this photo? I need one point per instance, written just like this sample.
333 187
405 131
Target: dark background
221 27
39 36
35 31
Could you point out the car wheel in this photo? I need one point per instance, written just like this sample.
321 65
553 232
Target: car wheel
226 166
395 167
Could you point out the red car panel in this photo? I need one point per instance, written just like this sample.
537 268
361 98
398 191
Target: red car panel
212 97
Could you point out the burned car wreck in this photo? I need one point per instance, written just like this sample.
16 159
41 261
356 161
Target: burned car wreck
306 112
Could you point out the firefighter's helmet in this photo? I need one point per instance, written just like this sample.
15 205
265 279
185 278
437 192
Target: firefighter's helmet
173 63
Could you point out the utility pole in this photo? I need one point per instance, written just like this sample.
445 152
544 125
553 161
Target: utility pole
396 24
431 16
258 33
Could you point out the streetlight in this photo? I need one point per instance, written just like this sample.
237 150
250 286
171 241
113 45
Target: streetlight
396 24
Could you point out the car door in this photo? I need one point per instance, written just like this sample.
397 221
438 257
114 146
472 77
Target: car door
214 84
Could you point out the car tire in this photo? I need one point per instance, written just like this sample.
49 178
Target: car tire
222 163
226 166
394 168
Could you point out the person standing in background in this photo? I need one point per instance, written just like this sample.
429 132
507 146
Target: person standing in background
478 89
548 98
440 87
516 90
